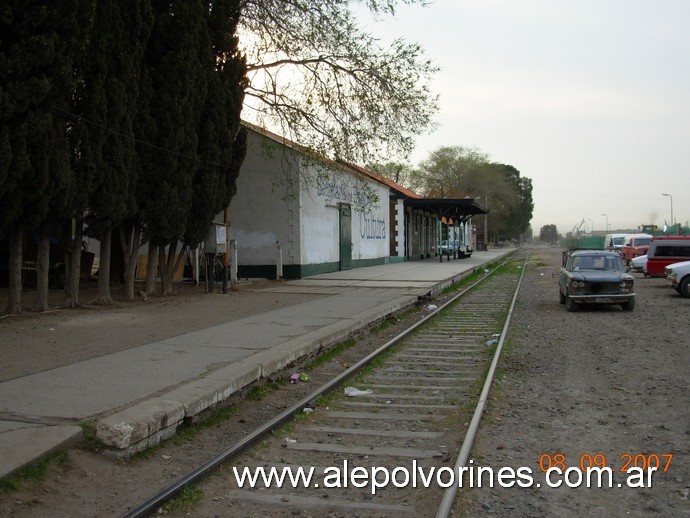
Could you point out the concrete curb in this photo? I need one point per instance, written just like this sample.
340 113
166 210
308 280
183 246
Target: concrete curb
38 442
152 421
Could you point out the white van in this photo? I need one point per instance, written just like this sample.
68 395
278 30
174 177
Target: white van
614 242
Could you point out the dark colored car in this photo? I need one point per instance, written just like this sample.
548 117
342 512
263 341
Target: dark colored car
595 277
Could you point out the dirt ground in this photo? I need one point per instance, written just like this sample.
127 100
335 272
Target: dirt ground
600 380
597 381
34 342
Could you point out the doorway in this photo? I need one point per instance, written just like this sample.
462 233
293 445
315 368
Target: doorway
345 236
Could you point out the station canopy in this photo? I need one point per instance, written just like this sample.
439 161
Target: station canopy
457 209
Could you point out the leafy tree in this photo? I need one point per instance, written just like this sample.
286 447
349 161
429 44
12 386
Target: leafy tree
191 143
549 234
328 85
106 104
174 94
453 172
222 141
459 172
38 42
519 212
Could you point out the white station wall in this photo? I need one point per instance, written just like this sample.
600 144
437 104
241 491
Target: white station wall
260 214
306 225
320 217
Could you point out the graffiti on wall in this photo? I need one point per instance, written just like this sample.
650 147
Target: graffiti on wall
347 190
363 198
371 228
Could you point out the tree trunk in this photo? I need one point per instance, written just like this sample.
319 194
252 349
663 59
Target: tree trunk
14 306
168 266
103 297
164 267
73 266
150 288
129 239
42 272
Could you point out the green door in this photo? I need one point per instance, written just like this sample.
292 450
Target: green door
345 237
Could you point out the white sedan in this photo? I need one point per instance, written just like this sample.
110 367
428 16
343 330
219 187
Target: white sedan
639 264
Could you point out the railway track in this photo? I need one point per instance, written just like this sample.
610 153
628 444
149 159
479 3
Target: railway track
389 447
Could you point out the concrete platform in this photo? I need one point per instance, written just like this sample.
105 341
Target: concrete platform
138 397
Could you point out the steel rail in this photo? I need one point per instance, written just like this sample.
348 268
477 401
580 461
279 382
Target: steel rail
450 493
153 503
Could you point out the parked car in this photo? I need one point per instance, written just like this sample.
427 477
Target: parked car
639 264
452 248
666 250
678 275
634 246
595 277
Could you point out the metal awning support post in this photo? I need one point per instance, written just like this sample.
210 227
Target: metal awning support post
279 261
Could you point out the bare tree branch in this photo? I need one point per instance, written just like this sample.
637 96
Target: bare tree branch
317 78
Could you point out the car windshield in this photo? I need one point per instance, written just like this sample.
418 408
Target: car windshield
618 240
595 262
643 241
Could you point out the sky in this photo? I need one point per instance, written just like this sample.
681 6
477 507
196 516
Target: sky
590 99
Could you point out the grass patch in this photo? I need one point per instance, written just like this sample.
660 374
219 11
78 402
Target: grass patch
470 279
330 354
258 392
328 399
393 320
35 472
187 432
8 484
147 453
90 440
377 362
185 500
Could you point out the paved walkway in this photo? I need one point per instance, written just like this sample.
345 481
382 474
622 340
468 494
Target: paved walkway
138 397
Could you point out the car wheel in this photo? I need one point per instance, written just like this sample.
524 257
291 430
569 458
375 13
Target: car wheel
685 287
561 297
570 304
629 306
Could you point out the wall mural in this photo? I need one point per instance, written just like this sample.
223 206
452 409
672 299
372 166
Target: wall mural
346 189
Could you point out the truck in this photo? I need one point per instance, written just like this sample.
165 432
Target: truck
614 242
635 245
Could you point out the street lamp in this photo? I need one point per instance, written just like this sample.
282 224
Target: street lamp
607 222
672 223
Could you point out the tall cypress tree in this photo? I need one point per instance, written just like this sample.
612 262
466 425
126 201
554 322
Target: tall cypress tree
38 43
112 77
222 145
167 127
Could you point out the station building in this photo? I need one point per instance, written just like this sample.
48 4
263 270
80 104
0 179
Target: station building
316 215
320 216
